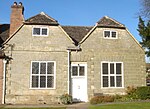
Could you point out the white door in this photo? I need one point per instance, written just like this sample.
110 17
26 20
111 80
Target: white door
79 82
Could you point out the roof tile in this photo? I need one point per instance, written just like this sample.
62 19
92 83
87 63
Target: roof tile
41 18
4 32
109 22
77 33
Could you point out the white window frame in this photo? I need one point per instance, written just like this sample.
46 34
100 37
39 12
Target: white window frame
43 74
40 31
78 65
110 34
122 74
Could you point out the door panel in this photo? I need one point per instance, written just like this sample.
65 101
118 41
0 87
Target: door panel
79 82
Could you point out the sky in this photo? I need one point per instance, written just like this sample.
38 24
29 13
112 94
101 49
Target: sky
79 12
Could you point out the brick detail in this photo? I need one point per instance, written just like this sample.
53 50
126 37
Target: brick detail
16 18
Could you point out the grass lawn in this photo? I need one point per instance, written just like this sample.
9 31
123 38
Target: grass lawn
143 105
33 108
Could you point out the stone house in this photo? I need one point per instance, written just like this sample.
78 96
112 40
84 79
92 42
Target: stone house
46 59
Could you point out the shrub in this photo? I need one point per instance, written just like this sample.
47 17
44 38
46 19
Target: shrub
66 99
100 99
97 99
143 93
108 99
131 92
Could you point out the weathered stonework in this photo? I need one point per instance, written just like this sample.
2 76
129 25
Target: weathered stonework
24 48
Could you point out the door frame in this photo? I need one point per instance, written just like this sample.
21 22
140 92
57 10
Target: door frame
85 65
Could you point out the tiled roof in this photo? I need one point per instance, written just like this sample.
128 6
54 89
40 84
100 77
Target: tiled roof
77 33
109 22
4 32
41 18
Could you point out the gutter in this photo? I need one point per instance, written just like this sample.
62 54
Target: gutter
4 81
69 49
69 77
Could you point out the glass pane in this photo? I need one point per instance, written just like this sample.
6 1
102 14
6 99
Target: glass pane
50 68
111 68
36 31
107 34
44 31
35 81
81 71
105 81
118 68
74 71
42 68
105 68
42 81
118 81
50 82
114 34
112 81
35 68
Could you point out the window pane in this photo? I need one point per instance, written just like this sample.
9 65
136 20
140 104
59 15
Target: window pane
35 67
81 71
42 68
35 81
118 81
106 33
112 81
74 71
105 81
44 31
50 68
42 81
50 81
111 68
114 34
105 68
118 68
36 31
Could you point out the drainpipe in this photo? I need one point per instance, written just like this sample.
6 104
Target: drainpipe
69 71
4 80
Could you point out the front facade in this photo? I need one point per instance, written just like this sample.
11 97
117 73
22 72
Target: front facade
46 60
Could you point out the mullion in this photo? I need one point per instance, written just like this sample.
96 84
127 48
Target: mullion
46 75
39 74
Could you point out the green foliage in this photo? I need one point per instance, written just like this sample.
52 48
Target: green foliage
143 93
131 93
66 99
101 99
144 32
135 105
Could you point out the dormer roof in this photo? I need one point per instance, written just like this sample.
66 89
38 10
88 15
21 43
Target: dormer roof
110 23
42 19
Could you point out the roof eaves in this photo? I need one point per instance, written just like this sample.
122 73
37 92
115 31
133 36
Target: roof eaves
13 34
87 35
110 26
66 34
135 40
52 23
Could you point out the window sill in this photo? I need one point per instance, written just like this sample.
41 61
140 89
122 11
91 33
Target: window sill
42 88
112 87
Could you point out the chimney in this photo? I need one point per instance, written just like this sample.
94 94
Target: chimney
17 18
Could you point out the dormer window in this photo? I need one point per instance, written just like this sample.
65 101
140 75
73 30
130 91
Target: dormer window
110 34
40 31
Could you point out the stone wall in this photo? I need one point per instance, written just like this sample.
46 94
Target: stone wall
96 49
24 48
